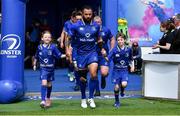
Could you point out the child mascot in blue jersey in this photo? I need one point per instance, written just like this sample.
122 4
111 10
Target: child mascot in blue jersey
46 55
121 56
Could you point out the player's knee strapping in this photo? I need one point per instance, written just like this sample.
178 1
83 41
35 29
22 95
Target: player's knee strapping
116 92
82 75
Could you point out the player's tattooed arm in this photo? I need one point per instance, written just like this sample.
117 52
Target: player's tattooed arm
112 43
100 45
68 49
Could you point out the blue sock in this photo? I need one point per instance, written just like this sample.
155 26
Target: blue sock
70 68
49 89
92 86
97 85
77 78
83 90
116 95
43 92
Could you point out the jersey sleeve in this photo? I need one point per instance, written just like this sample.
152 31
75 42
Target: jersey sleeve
57 54
71 31
65 27
109 34
98 30
37 53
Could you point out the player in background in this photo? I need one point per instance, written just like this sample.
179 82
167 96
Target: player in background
75 16
107 36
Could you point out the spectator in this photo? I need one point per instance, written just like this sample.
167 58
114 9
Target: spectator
136 50
165 42
176 40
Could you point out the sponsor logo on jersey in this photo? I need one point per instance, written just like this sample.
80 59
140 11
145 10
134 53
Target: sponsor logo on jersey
87 35
122 62
45 60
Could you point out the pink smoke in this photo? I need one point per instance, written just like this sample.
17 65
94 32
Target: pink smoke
149 19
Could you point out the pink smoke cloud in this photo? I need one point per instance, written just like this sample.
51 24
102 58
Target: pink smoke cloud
149 19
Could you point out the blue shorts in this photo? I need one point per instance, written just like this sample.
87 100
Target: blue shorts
119 76
102 61
46 75
84 60
74 54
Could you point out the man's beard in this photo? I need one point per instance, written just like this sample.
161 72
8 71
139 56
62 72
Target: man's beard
88 20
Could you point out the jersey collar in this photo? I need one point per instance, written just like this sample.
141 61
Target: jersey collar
119 49
85 23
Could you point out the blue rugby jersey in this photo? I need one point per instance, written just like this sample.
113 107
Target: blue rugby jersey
46 56
106 35
121 57
86 36
67 27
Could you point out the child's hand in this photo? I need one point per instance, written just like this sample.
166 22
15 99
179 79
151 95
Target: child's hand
63 56
75 65
34 67
132 69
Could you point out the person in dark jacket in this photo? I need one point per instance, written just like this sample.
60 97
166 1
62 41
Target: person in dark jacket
164 44
136 50
176 40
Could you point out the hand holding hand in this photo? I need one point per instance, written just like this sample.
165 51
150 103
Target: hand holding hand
34 67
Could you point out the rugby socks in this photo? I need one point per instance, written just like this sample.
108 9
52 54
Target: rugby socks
92 86
116 95
83 89
103 81
43 92
77 78
122 91
97 85
49 89
70 68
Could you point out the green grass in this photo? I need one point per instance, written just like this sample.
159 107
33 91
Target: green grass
129 106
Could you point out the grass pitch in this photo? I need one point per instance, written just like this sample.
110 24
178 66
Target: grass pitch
129 106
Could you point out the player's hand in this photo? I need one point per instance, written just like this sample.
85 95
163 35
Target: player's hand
132 69
63 56
75 65
34 67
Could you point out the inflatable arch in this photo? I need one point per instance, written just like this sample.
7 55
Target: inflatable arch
12 50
